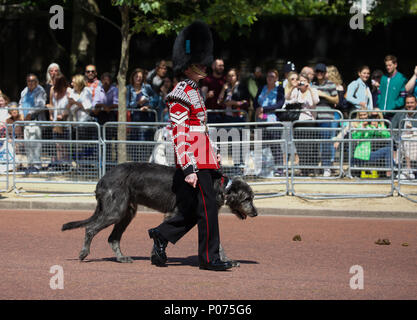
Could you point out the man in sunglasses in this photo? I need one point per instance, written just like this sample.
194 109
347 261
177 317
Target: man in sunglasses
92 81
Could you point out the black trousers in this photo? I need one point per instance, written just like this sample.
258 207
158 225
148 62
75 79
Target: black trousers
195 206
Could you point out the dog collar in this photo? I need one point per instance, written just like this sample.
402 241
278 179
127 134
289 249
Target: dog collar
229 184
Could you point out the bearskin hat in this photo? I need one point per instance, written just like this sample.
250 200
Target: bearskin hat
193 45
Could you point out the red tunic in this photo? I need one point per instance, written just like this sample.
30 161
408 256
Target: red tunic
192 145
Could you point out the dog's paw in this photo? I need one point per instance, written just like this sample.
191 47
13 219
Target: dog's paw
83 254
124 259
235 263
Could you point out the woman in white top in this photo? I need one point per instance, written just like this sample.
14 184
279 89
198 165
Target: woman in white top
59 99
80 104
4 113
308 97
80 100
292 82
58 112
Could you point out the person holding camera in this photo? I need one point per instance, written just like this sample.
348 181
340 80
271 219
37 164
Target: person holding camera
303 94
234 96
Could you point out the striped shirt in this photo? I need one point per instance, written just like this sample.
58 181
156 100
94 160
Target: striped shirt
329 88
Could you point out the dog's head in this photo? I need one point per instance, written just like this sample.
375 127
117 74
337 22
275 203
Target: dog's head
239 198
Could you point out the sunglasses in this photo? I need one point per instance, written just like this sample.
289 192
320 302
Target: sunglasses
90 71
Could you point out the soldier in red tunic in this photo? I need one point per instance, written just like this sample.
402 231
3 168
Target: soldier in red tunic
195 157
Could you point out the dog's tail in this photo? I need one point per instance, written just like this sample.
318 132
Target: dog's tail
78 224
75 224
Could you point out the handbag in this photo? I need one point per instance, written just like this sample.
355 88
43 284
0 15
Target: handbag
292 112
347 106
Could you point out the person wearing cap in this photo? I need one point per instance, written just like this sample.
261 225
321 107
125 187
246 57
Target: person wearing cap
329 98
196 160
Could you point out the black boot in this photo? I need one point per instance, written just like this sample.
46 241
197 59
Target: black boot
216 265
158 256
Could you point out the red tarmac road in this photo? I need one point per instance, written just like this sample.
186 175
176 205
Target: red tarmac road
273 266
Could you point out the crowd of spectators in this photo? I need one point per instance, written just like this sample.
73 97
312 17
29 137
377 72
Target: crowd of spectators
230 97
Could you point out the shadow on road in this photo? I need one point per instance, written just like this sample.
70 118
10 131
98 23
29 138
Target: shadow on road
172 261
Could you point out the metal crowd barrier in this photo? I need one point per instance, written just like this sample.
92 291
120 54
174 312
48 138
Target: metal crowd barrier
48 152
141 140
317 153
407 159
256 151
354 113
6 154
316 112
155 113
278 158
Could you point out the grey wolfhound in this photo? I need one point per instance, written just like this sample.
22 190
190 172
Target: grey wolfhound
128 185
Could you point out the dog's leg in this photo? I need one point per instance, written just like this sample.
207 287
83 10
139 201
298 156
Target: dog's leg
90 232
89 235
223 257
116 235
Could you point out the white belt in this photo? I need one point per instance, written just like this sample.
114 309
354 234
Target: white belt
198 129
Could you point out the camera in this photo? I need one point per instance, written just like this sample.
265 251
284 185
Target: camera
302 84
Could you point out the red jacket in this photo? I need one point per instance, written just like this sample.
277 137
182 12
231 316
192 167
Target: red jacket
192 145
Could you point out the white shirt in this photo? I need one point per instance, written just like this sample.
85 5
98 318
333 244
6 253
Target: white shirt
59 106
86 99
308 101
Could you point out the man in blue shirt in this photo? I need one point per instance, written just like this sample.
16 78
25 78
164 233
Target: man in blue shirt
32 102
33 99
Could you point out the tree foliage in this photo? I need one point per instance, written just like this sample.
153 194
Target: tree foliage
163 17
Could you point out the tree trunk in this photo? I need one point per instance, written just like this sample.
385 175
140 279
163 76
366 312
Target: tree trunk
121 81
84 34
